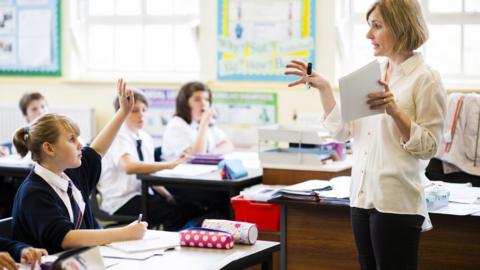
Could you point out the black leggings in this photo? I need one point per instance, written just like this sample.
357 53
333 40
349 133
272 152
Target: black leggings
386 241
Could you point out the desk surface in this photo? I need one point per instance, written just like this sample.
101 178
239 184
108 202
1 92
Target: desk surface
238 257
211 179
333 167
14 167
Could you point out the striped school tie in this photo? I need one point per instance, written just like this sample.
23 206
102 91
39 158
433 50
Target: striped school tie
77 214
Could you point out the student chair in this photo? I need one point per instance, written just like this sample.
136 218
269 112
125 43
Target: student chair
104 217
6 228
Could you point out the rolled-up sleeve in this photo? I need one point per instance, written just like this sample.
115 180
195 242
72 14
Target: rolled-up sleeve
426 128
333 124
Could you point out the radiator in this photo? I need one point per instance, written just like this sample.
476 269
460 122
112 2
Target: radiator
11 119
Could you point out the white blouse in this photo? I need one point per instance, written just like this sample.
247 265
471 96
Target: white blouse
385 172
179 135
116 186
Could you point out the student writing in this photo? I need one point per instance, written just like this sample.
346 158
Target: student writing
51 208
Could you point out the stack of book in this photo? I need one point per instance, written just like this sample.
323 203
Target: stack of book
305 191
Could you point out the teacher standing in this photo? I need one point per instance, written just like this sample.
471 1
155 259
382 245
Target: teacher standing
388 207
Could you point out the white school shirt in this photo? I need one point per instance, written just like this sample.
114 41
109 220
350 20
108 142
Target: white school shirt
115 185
60 185
179 135
385 171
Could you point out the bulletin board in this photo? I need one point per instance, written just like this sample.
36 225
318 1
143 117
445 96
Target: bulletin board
30 37
257 38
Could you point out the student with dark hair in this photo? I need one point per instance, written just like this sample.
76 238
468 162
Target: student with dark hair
192 129
132 153
51 208
11 251
32 105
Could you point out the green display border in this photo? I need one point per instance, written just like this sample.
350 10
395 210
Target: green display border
56 73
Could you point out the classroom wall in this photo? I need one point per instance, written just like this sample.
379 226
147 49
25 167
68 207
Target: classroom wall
100 94
65 91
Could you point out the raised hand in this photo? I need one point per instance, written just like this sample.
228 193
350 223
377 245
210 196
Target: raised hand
125 96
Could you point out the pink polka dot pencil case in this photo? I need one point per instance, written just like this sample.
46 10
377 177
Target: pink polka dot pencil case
206 238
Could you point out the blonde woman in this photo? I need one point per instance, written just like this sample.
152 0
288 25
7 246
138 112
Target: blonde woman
387 202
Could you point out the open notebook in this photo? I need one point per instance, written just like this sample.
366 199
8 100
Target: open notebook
151 241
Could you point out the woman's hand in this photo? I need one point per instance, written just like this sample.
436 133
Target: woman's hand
299 69
7 262
125 96
33 256
383 100
135 230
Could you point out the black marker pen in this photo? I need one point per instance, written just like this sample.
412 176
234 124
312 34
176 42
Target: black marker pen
309 73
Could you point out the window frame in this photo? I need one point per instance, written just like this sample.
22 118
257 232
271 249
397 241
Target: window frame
80 22
347 19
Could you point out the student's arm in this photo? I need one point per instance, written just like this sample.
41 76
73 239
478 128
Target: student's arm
132 166
105 138
200 145
87 238
224 146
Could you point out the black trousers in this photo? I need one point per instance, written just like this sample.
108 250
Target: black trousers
386 241
172 216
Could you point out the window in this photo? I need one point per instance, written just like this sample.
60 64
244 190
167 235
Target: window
141 39
452 48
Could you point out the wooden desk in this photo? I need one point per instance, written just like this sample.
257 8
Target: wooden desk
210 181
278 174
239 257
321 235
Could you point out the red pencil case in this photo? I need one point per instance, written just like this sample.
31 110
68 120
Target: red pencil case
206 238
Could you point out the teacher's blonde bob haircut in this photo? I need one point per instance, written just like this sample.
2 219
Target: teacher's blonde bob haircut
404 19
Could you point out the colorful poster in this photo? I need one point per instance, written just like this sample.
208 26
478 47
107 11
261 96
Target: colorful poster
245 108
257 38
240 114
237 113
161 109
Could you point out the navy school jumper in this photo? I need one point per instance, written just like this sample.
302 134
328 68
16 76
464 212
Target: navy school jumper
40 218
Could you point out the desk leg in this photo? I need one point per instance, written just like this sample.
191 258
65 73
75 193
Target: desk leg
283 237
267 264
232 193
145 200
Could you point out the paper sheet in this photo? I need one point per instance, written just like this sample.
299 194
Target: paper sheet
354 89
458 209
152 241
189 170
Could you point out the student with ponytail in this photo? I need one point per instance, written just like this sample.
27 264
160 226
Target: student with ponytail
51 209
